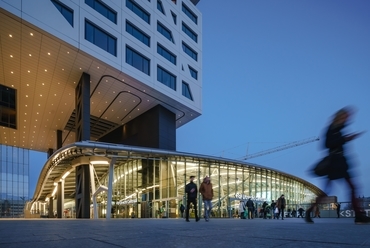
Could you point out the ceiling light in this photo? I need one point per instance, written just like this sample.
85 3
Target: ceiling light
11 56
31 34
28 72
10 35
48 53
46 70
68 52
30 55
11 72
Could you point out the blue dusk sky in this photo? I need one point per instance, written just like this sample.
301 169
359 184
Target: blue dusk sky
273 73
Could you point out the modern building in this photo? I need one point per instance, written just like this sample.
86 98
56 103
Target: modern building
14 181
102 86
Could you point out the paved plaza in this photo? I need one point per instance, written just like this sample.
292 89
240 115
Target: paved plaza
291 232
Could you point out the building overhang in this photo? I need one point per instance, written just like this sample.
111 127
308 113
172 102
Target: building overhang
45 71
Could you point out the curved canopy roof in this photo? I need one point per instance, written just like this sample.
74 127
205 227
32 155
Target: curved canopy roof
62 164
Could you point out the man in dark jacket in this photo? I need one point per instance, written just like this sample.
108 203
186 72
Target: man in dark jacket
281 205
250 207
192 192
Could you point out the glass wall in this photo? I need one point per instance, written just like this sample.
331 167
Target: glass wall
155 187
14 181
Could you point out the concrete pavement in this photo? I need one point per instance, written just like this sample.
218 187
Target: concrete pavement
290 232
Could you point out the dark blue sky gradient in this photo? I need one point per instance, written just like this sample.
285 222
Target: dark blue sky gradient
274 72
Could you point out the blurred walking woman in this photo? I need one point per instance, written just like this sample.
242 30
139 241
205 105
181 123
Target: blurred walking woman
338 167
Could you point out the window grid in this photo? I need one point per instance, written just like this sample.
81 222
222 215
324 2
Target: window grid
64 10
160 7
166 54
189 51
193 73
138 10
100 38
166 78
137 33
137 60
189 13
103 9
189 32
164 31
186 90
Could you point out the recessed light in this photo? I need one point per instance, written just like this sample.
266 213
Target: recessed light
26 95
28 71
68 52
46 70
40 95
27 84
30 55
10 35
31 34
48 53
11 56
11 72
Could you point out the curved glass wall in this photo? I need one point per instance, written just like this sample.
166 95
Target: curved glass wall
155 187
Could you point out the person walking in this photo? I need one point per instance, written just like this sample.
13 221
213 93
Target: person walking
273 206
182 209
300 212
192 193
242 209
338 209
337 166
264 205
281 203
207 194
317 211
250 207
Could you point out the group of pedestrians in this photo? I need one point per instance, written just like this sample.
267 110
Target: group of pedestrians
192 193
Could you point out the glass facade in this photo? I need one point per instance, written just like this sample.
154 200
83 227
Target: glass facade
155 187
14 181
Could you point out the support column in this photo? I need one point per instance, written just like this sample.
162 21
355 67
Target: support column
60 198
110 188
51 212
82 191
82 124
59 139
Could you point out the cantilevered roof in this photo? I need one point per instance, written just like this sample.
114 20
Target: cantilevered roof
63 160
45 71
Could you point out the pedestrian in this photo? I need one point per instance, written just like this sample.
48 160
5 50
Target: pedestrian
192 193
317 211
242 209
250 207
273 206
300 212
281 203
338 209
182 209
264 205
207 194
336 165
